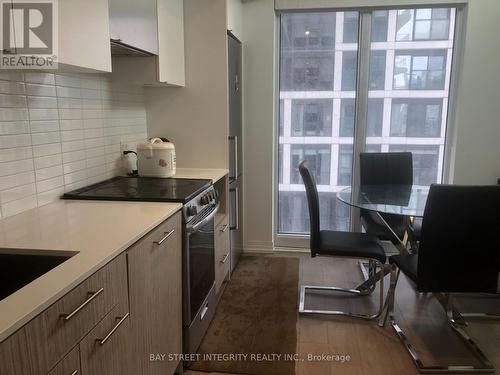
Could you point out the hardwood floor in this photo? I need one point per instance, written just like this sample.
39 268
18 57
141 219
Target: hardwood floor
373 350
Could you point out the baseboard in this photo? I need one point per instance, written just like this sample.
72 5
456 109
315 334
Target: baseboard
299 250
269 248
258 247
250 251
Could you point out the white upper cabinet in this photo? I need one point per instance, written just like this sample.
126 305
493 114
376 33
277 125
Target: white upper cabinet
167 68
134 23
84 36
171 42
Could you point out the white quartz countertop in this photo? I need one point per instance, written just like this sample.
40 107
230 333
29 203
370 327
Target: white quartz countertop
99 231
201 173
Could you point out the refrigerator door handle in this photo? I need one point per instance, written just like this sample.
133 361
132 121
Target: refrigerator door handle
236 210
234 138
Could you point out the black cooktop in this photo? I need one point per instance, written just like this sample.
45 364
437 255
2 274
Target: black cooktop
142 189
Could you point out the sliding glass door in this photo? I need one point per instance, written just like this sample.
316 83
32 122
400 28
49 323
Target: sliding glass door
408 62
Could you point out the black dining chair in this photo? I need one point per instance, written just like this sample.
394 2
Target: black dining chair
341 244
459 252
385 168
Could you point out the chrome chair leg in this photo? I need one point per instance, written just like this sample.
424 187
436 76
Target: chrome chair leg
368 269
388 309
364 289
399 243
362 266
411 236
374 276
485 365
449 307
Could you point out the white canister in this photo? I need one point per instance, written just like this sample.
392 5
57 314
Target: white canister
156 158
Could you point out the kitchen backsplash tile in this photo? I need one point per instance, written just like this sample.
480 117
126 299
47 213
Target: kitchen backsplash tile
50 149
17 193
35 89
59 132
14 127
44 126
20 153
44 78
13 167
9 87
11 141
12 181
20 205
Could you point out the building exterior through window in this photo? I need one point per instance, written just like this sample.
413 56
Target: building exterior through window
410 69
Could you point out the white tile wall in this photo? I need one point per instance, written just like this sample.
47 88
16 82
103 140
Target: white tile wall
59 132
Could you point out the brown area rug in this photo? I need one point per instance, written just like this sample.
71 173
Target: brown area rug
255 321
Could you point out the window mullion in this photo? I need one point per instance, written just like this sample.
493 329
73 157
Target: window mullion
364 44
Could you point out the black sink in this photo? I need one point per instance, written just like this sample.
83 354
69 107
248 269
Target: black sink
19 269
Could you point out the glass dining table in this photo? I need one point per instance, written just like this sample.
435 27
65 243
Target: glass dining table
403 200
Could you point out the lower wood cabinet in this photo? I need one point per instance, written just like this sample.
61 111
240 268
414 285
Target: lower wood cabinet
105 349
38 346
155 287
70 365
113 322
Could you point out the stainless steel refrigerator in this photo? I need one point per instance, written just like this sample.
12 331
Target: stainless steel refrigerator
235 148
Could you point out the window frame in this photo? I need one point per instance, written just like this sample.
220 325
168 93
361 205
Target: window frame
300 242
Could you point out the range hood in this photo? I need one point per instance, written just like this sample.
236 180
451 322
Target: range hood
121 49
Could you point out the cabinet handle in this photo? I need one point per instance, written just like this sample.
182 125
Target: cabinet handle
235 150
167 234
74 372
236 192
224 228
92 295
224 259
203 312
106 338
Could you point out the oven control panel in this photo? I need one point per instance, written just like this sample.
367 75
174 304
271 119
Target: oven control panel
209 197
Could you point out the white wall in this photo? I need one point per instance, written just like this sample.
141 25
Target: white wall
195 117
477 151
258 114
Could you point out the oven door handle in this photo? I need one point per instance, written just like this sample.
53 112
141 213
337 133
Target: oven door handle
195 227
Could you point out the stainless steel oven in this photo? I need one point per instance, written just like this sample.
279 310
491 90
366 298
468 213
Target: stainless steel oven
200 204
198 270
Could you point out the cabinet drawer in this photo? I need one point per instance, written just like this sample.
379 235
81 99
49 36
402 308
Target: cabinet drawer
49 336
222 252
105 349
70 365
162 233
